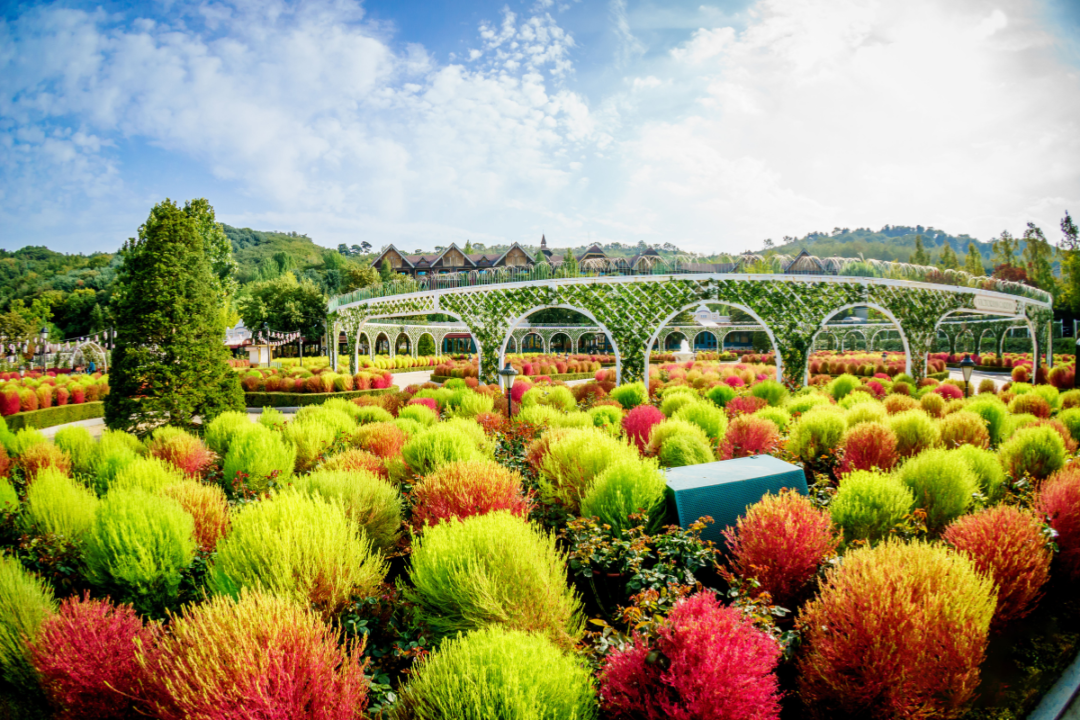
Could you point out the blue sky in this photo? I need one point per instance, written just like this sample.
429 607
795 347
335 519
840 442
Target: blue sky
712 125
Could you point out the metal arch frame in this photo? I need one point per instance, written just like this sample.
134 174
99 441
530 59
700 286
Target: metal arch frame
91 344
884 311
587 313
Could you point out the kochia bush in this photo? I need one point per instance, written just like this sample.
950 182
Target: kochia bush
183 451
867 446
146 473
207 506
748 435
629 485
943 484
1007 544
639 422
964 428
495 672
462 489
916 655
86 657
718 667
439 445
680 450
260 454
262 656
575 459
817 435
494 569
1035 451
869 504
630 395
57 504
299 547
1059 500
384 439
771 391
781 540
915 432
25 601
987 469
41 456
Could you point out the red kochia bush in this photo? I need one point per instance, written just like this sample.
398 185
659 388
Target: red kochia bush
781 540
519 389
260 657
748 435
1030 403
466 488
868 445
5 462
9 402
719 667
86 656
949 392
426 402
62 395
78 394
382 439
1006 543
186 453
492 422
38 457
1059 499
355 459
638 424
744 405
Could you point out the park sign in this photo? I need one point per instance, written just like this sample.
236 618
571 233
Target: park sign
992 304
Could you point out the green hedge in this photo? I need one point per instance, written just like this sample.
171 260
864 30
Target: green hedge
56 415
564 377
282 399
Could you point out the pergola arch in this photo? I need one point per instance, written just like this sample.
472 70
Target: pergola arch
704 331
560 333
884 311
79 352
849 333
587 313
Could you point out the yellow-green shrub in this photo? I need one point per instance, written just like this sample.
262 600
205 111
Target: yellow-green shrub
311 438
59 505
866 412
147 473
473 403
494 569
915 432
1035 451
555 396
987 469
222 429
420 413
682 450
629 485
709 418
943 484
440 444
370 501
869 503
77 442
25 601
9 499
672 403
575 459
260 454
817 434
297 546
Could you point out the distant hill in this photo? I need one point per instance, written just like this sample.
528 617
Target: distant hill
256 249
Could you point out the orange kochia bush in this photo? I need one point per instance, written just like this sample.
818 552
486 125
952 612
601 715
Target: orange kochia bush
748 435
1059 500
465 488
867 446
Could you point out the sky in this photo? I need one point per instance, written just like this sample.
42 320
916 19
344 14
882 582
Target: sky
709 125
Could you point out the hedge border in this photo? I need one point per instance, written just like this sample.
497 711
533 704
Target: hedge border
55 415
282 399
564 377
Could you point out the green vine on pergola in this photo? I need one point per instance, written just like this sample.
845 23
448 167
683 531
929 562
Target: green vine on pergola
633 310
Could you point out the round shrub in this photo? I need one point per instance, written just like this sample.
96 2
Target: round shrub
932 404
682 450
781 540
718 667
1058 498
745 405
917 654
608 417
721 394
420 413
86 657
440 445
261 455
949 391
915 432
574 460
9 499
1014 423
866 412
138 546
771 391
1071 420
42 456
496 672
1070 399
373 414
113 452
706 416
382 439
183 451
300 547
639 422
749 435
463 489
59 505
368 500
1037 452
994 413
25 439
817 434
842 385
674 402
555 396
222 429
1030 404
470 404
987 469
77 442
312 436
868 446
776 415
355 459
896 404
630 395
259 657
869 504
1007 544
943 484
207 506
25 601
963 428
146 473
494 569
629 485
800 404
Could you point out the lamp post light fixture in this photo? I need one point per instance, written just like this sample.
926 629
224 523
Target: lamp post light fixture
44 350
967 366
266 337
508 374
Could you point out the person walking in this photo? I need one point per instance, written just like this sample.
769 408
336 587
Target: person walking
92 367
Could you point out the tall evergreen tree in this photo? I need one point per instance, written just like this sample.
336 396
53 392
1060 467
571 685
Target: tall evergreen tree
1004 249
1070 264
386 273
920 256
169 364
973 262
1038 256
948 259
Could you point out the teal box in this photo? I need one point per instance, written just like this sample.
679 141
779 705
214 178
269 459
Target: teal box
723 490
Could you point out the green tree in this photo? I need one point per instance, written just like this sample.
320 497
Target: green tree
468 247
360 276
973 262
569 266
1004 249
98 320
285 304
920 256
1070 264
169 364
948 259
386 273
1039 257
216 245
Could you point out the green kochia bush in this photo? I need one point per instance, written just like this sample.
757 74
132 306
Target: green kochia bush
869 503
817 434
259 453
440 444
994 412
147 473
573 462
1071 419
607 417
77 442
771 391
800 404
57 504
629 485
673 402
222 429
1035 451
630 395
915 432
420 413
709 418
367 499
297 546
114 451
25 601
494 569
499 673
842 385
372 414
682 450
943 484
312 437
137 547
721 395
987 469
9 499
554 396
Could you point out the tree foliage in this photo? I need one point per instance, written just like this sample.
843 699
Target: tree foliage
285 303
169 364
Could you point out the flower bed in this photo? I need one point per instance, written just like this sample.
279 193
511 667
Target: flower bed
286 399
39 391
321 380
418 553
529 365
